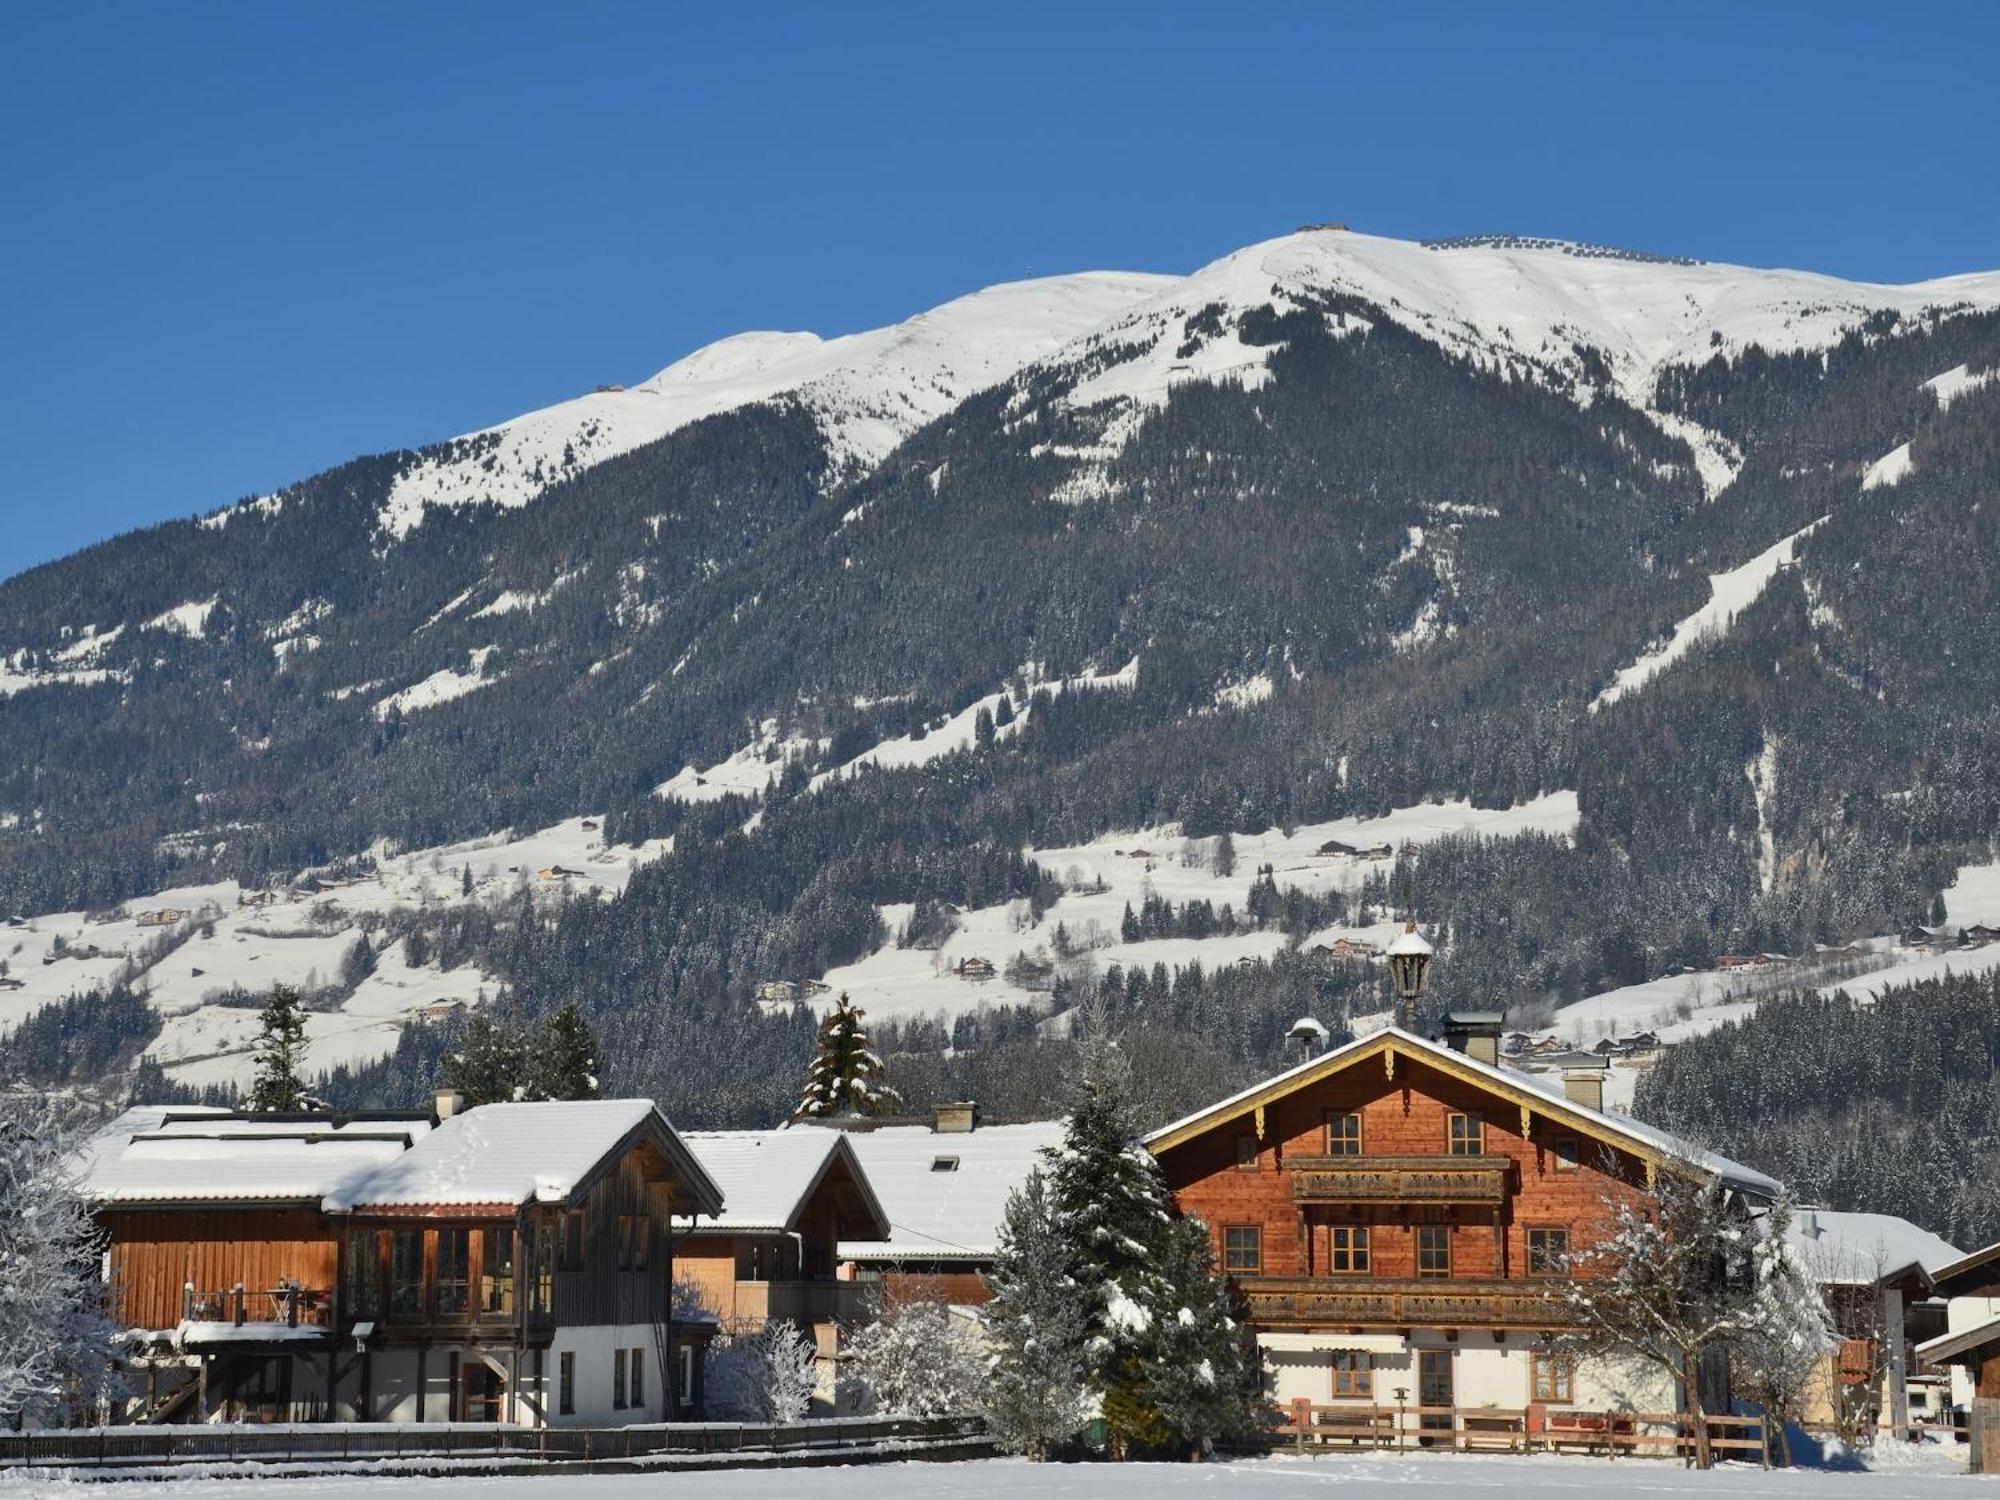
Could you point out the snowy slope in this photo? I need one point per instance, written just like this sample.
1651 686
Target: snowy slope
1729 595
1523 306
869 390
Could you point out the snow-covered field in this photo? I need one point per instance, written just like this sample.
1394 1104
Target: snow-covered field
223 938
1103 876
1924 1474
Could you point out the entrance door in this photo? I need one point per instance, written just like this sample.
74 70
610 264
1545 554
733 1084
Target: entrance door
1434 1389
482 1393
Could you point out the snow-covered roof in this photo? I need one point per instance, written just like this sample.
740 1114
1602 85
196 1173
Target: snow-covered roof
519 1153
938 1211
767 1176
1950 1348
155 1155
1855 1249
1649 1138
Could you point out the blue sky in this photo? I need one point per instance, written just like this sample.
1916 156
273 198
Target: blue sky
239 243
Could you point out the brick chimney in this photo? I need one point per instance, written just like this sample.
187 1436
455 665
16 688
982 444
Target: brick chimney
961 1118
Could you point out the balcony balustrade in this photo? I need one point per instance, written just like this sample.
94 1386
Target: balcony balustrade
1400 1179
1382 1302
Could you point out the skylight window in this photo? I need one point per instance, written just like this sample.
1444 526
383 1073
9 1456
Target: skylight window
944 1164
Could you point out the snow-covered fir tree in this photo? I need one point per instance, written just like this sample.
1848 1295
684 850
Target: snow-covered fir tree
767 1376
281 1050
1192 1361
1038 1391
489 1064
915 1360
1783 1351
564 1064
1107 1193
55 1341
845 1077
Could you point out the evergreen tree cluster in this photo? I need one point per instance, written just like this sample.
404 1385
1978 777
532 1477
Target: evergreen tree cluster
1891 1105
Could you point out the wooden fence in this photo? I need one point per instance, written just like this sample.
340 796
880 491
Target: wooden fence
99 1447
1486 1429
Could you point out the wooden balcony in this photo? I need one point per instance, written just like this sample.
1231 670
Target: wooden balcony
1382 1302
1399 1180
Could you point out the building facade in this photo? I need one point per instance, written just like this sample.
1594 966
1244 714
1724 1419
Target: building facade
1398 1215
510 1263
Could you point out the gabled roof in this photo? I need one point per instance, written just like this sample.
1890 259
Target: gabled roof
156 1156
1648 1142
937 1213
507 1155
768 1178
1854 1249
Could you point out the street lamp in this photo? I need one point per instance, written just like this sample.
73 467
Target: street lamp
1409 962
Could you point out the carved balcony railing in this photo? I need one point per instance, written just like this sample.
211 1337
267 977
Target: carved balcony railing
1399 1179
1380 1302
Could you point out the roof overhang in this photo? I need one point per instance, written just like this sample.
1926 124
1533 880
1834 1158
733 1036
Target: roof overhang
1952 1348
1960 1277
1388 1048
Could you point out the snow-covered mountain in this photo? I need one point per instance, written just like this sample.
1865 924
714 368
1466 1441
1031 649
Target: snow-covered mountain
1575 314
868 390
1333 527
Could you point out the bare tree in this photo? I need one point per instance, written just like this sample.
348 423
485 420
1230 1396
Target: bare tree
1672 1281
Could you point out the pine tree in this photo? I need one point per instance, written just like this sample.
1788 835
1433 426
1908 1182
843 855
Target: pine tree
845 1077
1782 1352
1109 1198
281 1047
489 1065
1193 1363
564 1065
357 963
1038 1327
1225 856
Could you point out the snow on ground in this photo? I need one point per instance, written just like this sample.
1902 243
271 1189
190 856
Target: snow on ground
1104 876
1913 966
1958 381
869 390
1729 594
1974 897
189 619
1892 468
956 733
220 937
1925 1472
748 772
440 687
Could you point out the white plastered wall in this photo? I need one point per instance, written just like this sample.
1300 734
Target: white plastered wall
594 1345
1485 1371
1961 1313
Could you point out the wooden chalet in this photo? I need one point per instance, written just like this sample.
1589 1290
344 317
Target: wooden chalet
790 1196
1396 1214
1970 1347
508 1263
1876 1273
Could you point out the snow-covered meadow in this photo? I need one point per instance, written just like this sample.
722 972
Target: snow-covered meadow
1922 1474
217 938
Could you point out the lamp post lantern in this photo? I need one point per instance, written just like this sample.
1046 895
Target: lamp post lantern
1409 963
